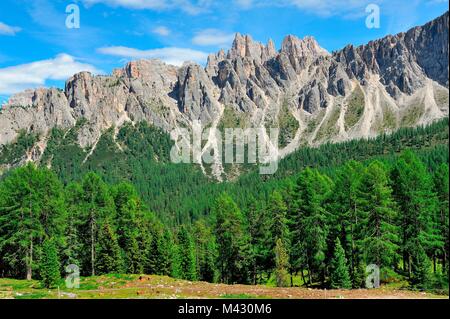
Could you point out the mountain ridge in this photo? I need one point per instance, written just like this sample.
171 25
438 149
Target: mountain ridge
313 95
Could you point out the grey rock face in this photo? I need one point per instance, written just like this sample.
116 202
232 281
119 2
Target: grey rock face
402 74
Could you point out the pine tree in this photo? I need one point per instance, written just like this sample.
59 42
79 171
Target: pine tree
167 253
155 251
281 264
205 245
187 255
49 265
109 255
340 278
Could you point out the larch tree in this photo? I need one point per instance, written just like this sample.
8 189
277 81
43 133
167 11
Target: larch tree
376 207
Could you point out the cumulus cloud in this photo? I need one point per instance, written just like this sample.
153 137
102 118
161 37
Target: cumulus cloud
213 37
172 55
162 31
20 77
8 30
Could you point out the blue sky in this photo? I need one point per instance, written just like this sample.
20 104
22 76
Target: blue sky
37 49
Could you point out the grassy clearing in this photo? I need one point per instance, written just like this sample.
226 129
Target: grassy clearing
160 287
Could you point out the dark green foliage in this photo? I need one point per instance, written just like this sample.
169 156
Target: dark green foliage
232 241
109 257
420 268
186 255
340 277
381 207
206 252
49 265
413 189
310 223
377 212
31 209
441 182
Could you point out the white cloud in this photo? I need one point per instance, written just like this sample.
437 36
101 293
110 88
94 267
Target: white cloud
188 6
132 4
213 37
172 55
162 31
8 30
20 77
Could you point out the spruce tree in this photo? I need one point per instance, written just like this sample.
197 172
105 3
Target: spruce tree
205 250
340 277
187 255
109 255
420 268
49 265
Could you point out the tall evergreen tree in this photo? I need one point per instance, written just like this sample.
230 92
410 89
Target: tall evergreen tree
311 229
377 211
109 255
96 203
441 182
258 225
340 277
31 208
187 255
345 223
413 190
420 268
49 265
233 248
205 252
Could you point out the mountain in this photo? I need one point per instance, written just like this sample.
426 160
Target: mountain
313 96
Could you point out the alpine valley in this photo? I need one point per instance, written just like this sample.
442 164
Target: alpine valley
86 176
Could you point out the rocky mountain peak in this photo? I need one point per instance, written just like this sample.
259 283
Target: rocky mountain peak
306 47
314 97
245 47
